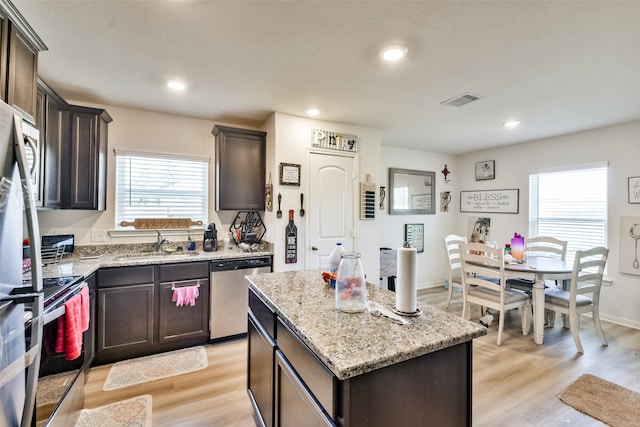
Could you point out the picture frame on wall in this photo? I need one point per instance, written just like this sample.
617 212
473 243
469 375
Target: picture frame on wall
414 235
289 174
634 189
485 170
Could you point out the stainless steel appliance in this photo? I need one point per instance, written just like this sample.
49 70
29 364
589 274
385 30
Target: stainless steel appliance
229 295
17 381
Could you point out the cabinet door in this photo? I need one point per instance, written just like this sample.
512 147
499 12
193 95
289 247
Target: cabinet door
261 350
4 41
184 322
88 159
23 71
240 168
125 319
295 406
53 162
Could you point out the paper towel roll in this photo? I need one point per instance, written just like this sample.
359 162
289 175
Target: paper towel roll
406 287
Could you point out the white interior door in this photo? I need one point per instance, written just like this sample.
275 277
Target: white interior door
331 206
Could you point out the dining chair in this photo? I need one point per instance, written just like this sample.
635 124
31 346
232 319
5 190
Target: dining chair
484 284
541 246
586 279
452 247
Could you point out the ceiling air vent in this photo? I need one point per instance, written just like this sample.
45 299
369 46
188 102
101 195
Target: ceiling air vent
460 100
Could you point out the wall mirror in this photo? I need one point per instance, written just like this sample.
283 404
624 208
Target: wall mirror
411 192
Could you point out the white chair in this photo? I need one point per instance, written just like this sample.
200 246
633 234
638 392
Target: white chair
452 247
482 267
586 279
541 246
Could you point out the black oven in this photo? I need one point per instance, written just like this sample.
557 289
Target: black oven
57 375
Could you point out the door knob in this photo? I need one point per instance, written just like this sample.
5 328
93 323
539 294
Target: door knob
314 248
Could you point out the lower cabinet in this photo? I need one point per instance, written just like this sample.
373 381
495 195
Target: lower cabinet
137 315
261 348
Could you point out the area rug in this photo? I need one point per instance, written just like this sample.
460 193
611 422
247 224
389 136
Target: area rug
154 367
52 387
603 400
134 412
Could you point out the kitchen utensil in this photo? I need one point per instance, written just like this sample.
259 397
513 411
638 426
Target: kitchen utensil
636 237
301 204
279 212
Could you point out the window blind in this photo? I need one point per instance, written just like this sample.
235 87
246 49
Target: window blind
160 186
570 205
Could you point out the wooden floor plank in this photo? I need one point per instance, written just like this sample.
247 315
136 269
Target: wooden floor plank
515 384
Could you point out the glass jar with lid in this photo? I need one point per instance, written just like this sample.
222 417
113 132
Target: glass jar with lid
351 287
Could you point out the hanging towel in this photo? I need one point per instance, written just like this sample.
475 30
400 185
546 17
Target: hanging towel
185 295
70 328
84 313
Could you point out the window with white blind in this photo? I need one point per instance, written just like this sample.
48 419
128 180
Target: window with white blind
571 205
160 186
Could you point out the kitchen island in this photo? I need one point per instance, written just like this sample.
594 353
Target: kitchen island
309 362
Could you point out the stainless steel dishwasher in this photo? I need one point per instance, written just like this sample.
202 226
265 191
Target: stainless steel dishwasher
229 295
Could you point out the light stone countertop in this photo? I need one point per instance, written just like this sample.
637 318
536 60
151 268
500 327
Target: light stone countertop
113 256
353 344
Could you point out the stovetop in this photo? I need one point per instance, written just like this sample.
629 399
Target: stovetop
55 287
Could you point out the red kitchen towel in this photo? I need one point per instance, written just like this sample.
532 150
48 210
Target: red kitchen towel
70 327
84 313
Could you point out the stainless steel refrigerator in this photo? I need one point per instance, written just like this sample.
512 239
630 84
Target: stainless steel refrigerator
19 362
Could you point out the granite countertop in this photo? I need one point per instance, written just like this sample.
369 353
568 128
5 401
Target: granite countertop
83 264
352 344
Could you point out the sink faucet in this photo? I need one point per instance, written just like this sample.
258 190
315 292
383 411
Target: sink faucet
161 241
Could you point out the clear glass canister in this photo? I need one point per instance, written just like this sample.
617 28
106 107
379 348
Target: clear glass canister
351 288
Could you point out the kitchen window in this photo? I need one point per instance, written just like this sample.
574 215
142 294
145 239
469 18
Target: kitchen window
150 185
570 204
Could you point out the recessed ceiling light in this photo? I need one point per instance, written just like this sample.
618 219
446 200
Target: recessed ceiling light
393 53
512 123
176 85
313 111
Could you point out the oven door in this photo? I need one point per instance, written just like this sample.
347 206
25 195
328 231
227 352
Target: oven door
61 382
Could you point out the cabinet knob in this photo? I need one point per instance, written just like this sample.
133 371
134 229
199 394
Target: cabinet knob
314 248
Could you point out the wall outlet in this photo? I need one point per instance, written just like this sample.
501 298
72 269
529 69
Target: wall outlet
98 235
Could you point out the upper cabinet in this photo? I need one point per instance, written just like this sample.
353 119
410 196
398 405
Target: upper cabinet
50 120
88 158
240 168
73 154
19 47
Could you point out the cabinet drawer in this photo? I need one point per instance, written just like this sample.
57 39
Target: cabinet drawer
293 402
319 380
118 276
265 316
184 271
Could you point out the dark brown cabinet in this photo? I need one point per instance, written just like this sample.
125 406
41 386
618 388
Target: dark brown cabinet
240 168
136 314
260 380
19 47
50 120
87 150
89 336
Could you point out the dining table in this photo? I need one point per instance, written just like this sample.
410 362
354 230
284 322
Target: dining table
543 268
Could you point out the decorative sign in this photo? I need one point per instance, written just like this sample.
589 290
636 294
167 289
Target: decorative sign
634 189
289 174
367 199
485 170
334 140
490 201
414 234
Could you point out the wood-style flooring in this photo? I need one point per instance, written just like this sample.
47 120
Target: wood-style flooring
515 384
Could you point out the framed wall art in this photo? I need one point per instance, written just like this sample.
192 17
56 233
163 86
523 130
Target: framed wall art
485 170
289 174
634 189
490 201
414 234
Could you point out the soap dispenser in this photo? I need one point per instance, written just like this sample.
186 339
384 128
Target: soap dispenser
210 240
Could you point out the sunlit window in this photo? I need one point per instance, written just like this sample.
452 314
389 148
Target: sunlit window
160 186
571 205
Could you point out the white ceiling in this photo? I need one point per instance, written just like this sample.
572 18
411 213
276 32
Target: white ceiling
559 66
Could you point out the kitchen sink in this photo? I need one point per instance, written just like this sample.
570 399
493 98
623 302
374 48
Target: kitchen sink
155 256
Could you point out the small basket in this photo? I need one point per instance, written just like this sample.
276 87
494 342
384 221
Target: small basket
52 254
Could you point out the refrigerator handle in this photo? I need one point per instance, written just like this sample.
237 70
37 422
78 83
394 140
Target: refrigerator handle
36 270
